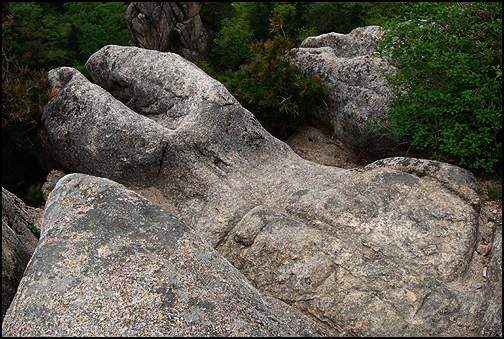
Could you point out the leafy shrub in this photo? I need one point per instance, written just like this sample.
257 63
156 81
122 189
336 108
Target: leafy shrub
84 71
277 92
94 25
33 28
206 67
233 38
448 90
35 231
306 32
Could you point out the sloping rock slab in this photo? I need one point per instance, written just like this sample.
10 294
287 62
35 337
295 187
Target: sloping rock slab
110 263
375 251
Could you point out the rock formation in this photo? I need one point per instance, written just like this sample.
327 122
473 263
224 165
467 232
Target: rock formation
345 62
385 250
160 26
18 242
111 263
51 180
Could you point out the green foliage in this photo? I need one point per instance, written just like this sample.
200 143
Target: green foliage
34 230
379 13
418 174
212 14
233 38
95 25
276 91
57 34
340 17
84 71
24 95
258 14
318 17
448 90
43 35
288 13
24 91
306 32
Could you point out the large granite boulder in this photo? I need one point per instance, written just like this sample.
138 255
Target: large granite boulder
111 263
345 62
385 250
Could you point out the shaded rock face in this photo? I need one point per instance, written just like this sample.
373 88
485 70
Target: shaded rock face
109 262
52 179
384 250
157 25
18 243
345 62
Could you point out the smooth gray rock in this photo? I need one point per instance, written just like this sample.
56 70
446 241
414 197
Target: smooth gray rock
375 251
81 142
345 62
360 41
111 263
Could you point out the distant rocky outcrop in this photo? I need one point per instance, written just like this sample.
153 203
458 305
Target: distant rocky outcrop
111 263
164 25
345 62
389 249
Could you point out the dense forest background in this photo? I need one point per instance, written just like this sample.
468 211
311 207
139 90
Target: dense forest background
67 33
40 36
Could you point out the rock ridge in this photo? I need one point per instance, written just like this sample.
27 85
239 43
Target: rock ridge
376 251
110 262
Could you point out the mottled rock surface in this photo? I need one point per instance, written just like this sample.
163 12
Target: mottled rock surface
110 263
375 251
18 242
345 62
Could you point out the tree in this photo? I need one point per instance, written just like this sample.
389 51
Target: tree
378 13
288 13
24 95
276 91
212 14
448 89
44 35
258 16
95 25
339 17
233 38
